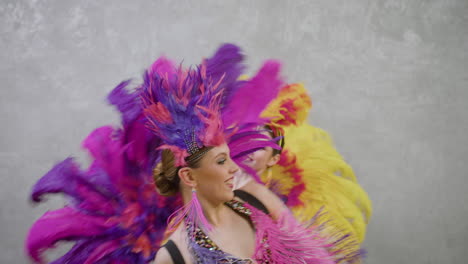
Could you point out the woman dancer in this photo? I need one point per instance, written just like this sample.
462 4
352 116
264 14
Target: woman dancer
115 216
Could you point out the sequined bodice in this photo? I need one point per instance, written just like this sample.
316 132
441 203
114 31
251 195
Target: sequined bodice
203 241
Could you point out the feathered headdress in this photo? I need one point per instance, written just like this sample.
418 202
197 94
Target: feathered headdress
183 109
204 106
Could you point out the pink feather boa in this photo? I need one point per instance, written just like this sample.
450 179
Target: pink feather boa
287 241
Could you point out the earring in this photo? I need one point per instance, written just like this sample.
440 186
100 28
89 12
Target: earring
192 212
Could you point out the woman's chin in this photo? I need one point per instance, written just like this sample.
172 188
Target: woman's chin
224 197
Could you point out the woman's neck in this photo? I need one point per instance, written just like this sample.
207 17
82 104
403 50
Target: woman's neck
214 211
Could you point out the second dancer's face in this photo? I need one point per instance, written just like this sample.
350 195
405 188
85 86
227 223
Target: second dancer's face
215 176
262 159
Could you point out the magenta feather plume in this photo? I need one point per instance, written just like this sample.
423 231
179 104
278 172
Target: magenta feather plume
162 66
246 105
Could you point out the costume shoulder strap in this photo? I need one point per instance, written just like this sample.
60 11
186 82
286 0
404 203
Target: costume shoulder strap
174 251
252 200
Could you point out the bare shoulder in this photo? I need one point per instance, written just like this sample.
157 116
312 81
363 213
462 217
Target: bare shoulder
178 237
163 257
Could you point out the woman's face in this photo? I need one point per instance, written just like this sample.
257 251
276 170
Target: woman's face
215 176
261 159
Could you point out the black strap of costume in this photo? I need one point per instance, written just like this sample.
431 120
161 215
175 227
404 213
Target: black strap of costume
252 200
174 251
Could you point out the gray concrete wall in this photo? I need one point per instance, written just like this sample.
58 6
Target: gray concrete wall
389 81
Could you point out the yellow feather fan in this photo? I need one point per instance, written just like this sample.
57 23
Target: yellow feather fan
312 175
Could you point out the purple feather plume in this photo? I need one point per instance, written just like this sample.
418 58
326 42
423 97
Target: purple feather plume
114 213
226 65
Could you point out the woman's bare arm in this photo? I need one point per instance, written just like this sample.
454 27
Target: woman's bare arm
271 201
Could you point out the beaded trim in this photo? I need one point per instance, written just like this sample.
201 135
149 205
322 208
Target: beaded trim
239 207
196 156
191 142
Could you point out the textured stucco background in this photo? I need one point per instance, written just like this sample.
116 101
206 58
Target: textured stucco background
389 80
